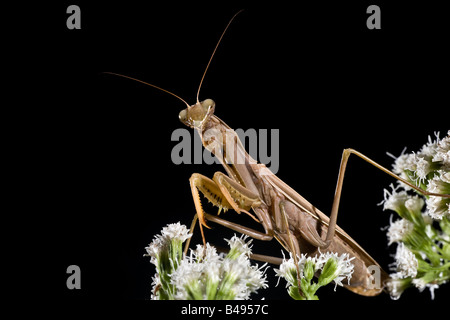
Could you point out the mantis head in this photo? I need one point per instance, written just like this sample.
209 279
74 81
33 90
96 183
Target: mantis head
194 116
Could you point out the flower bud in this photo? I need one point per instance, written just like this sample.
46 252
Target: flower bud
309 269
329 272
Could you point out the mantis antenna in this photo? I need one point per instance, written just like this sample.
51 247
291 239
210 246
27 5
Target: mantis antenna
204 73
214 52
149 84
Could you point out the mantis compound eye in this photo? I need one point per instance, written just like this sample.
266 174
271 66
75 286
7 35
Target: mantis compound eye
206 104
183 115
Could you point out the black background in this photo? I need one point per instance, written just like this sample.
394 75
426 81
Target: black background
103 176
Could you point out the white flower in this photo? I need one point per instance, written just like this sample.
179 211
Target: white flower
288 271
406 262
205 253
161 243
344 266
398 230
395 200
429 149
176 231
445 174
154 248
191 277
419 283
239 246
186 279
256 278
438 207
396 287
248 278
404 162
423 168
443 151
414 204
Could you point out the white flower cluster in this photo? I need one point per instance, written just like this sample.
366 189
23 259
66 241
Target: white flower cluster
422 257
204 274
416 239
330 267
207 275
429 169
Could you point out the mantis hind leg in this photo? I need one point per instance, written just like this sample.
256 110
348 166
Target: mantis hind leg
337 196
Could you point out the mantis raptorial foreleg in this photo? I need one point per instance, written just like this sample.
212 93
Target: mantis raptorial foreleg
337 196
240 198
224 193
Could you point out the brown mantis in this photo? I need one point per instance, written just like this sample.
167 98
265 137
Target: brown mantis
283 213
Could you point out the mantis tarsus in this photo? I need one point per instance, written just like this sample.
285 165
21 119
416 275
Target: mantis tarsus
250 186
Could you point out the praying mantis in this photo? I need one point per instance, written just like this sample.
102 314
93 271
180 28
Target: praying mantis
283 213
